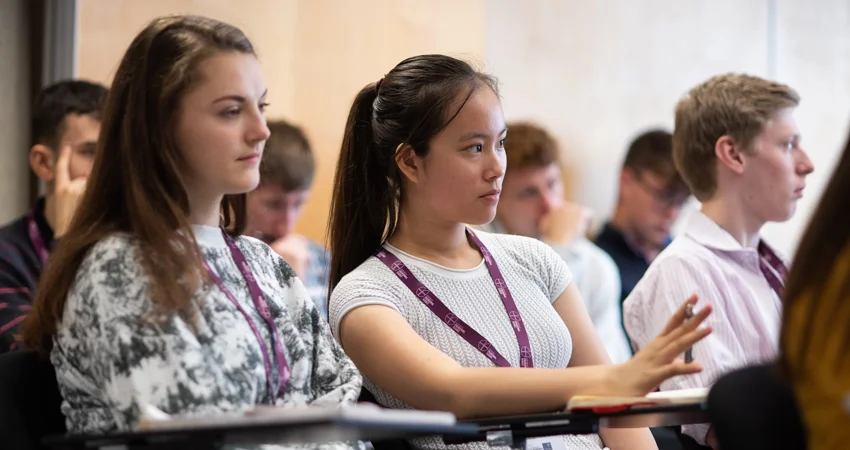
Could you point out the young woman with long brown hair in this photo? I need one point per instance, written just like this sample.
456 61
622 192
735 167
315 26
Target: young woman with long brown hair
154 296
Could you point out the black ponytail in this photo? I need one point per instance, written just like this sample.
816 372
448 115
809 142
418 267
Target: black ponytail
359 207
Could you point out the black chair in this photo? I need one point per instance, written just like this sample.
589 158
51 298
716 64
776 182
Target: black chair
29 401
755 408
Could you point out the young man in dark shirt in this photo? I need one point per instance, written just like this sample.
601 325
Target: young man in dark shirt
651 195
65 126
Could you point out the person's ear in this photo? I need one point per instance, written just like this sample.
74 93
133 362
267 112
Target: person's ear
408 162
43 162
730 154
627 179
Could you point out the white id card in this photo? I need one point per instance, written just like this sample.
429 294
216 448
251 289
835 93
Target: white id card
548 443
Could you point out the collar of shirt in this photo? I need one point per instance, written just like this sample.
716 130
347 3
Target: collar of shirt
708 233
614 233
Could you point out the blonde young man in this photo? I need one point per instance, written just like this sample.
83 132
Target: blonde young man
737 145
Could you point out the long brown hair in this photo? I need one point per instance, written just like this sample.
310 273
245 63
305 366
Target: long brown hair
136 185
410 105
825 241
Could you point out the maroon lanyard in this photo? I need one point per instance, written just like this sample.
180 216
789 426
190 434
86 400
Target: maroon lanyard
283 372
455 323
773 269
36 239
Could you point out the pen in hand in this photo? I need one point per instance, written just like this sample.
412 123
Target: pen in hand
689 312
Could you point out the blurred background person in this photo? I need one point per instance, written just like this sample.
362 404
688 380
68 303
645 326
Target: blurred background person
65 126
286 177
532 204
650 197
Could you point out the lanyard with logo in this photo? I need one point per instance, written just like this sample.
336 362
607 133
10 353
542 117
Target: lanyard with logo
773 269
36 239
283 371
455 323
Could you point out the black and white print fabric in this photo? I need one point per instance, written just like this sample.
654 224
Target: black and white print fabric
111 357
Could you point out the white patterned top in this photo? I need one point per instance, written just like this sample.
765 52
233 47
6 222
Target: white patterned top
109 358
536 277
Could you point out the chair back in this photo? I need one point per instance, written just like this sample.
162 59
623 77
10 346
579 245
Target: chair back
29 401
755 408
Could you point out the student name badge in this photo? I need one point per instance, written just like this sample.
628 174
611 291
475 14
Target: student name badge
546 443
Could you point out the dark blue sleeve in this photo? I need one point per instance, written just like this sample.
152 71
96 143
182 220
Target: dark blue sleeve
16 287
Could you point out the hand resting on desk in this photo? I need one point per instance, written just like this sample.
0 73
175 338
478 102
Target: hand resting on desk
424 377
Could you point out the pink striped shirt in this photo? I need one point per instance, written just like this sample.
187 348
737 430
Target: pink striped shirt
708 261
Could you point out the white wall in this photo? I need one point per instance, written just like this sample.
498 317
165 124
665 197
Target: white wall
316 55
596 73
813 56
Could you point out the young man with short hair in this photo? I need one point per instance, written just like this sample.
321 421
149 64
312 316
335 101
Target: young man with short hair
737 145
287 170
65 126
532 204
650 198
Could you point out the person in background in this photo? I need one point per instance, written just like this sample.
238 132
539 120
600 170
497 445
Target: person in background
475 323
155 298
65 124
286 176
650 198
532 204
737 145
815 337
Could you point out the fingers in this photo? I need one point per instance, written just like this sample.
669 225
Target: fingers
62 174
685 342
685 327
691 324
78 184
685 335
679 367
679 316
672 369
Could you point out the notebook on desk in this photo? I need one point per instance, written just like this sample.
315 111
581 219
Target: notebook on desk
604 404
153 419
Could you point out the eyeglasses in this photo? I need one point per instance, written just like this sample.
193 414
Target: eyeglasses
667 198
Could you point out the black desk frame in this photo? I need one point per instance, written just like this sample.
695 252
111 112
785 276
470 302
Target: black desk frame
513 431
282 434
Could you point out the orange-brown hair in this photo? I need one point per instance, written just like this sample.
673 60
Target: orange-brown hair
530 146
288 160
